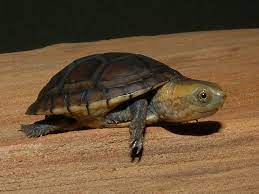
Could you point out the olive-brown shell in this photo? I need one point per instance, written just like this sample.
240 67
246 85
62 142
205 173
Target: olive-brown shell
95 84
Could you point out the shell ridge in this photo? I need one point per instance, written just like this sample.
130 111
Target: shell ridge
51 104
67 102
127 55
99 71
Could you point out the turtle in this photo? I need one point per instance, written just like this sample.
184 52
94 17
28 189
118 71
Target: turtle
117 89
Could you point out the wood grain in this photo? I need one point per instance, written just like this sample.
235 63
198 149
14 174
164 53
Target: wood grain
219 155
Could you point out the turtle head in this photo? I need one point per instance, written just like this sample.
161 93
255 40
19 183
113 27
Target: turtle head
188 100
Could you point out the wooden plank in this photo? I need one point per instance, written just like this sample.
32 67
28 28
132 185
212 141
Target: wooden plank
221 155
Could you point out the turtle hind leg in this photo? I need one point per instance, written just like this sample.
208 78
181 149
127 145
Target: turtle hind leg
51 124
37 130
118 116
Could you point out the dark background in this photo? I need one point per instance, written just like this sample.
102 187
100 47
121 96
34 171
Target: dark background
32 24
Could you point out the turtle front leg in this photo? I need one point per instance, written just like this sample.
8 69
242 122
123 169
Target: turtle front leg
139 112
135 114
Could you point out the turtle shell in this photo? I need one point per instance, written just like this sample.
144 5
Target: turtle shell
96 84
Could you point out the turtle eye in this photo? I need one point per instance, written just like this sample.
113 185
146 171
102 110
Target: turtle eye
203 96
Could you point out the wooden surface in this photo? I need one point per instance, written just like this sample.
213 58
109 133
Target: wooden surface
221 154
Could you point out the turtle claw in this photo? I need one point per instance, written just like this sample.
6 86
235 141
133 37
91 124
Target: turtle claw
138 146
136 149
110 120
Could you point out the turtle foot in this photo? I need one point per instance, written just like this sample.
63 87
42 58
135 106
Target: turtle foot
37 130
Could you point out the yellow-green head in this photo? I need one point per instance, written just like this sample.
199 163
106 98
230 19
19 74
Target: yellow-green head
188 100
